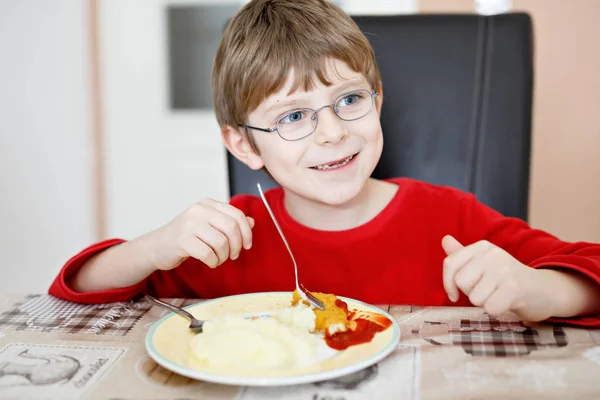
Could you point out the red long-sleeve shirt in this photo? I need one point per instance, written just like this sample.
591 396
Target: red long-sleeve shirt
395 258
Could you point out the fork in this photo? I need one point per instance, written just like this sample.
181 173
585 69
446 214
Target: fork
304 294
195 324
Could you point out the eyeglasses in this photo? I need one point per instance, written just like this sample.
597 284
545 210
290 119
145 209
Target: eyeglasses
300 123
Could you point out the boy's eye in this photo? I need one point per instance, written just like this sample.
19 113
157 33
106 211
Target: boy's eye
292 117
349 100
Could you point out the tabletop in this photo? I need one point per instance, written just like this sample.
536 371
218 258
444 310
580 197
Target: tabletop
54 349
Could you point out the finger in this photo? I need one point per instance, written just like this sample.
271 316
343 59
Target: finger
199 250
229 227
484 289
245 223
469 275
454 262
497 304
450 244
216 240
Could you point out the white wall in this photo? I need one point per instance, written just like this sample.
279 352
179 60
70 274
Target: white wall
46 206
157 161
378 7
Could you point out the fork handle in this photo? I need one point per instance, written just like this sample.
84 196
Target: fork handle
175 309
285 242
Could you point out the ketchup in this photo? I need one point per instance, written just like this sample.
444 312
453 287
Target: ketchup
341 304
367 325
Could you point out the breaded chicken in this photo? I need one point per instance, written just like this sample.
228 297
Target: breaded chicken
334 318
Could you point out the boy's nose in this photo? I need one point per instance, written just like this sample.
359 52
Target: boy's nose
330 128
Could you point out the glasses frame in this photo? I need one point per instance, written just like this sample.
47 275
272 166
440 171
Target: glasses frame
315 115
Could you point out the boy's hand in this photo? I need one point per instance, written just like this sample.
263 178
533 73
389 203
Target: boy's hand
210 231
494 280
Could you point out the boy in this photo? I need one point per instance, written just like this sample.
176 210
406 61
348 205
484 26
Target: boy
297 92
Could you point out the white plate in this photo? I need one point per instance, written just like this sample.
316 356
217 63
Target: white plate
168 340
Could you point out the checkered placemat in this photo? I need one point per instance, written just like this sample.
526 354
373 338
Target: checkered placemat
489 336
45 313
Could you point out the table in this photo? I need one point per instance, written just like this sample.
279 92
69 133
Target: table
97 352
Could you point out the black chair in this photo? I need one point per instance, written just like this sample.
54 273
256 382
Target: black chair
457 106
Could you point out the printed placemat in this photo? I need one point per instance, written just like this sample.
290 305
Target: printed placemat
46 313
46 371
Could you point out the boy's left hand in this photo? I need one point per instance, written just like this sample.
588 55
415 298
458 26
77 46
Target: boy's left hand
495 280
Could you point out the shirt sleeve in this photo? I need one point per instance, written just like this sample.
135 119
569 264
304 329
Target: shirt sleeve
159 283
532 247
191 279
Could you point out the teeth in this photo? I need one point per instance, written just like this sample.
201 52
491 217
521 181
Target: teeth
333 166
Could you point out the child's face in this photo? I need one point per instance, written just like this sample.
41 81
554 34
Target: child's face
294 164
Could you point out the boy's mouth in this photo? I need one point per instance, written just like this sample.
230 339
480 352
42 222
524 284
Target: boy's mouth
334 164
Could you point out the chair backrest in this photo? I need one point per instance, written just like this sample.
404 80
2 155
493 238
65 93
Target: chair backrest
457 104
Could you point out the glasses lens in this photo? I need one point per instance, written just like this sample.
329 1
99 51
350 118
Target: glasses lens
354 105
297 124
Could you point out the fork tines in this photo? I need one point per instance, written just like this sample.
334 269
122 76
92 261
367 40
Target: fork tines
316 302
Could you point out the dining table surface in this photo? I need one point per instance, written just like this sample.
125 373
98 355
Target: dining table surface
55 349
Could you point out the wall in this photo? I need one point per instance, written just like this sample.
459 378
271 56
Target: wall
157 161
565 185
46 207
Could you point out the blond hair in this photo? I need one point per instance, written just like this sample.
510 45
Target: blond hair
267 38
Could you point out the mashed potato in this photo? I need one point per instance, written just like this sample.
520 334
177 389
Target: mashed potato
279 342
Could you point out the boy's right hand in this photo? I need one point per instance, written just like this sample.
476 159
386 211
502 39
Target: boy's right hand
210 231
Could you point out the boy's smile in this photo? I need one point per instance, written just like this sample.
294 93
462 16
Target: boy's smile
332 164
335 165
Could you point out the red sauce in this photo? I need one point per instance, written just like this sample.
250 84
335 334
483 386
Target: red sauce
341 304
367 325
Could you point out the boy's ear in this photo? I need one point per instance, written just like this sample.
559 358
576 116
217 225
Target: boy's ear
379 98
238 143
